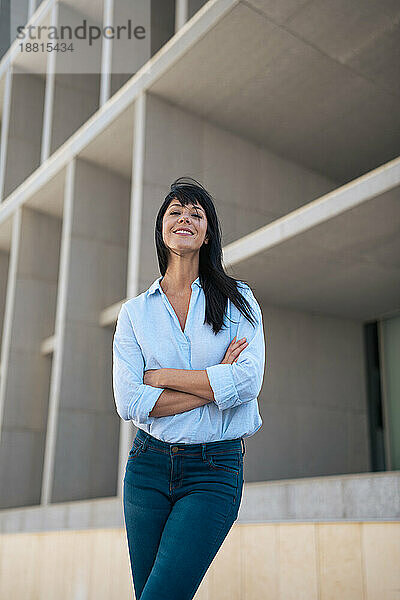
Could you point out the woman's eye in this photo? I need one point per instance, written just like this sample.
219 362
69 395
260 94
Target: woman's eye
175 212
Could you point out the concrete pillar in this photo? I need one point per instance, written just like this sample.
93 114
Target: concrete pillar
4 259
87 444
49 92
181 13
106 53
26 388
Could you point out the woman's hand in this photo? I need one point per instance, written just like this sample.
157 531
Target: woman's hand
159 377
152 377
233 351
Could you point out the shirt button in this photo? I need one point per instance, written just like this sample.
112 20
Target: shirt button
174 449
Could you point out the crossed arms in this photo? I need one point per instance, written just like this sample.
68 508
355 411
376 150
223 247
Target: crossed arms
142 395
179 394
186 389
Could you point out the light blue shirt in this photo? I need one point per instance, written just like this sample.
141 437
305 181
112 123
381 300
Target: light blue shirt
148 335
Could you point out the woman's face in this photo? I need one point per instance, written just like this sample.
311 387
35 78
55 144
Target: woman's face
191 218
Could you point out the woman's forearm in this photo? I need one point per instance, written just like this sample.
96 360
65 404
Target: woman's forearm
172 402
184 380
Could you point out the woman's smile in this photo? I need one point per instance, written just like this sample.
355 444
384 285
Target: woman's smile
185 221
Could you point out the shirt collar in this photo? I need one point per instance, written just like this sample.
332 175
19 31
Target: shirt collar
156 285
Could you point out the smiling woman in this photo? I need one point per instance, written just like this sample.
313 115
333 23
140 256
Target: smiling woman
189 357
188 221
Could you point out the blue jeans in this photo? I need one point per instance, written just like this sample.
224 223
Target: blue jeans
180 501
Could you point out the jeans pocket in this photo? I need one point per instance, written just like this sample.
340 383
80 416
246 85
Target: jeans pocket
135 451
225 461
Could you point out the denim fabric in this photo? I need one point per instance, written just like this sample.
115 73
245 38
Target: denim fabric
148 335
180 501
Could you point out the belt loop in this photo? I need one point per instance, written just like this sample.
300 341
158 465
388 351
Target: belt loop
144 443
203 452
243 446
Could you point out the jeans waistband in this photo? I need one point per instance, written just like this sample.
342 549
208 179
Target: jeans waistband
181 448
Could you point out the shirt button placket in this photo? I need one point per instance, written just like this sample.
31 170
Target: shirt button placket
189 351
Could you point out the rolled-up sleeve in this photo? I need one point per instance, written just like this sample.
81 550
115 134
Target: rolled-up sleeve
134 400
240 382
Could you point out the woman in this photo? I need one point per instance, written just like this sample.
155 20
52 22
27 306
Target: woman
188 366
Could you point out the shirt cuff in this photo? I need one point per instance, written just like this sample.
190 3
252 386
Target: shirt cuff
144 402
223 386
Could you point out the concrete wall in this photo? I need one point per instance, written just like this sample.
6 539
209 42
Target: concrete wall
194 6
28 374
313 402
88 426
25 128
162 23
76 98
350 561
19 13
390 332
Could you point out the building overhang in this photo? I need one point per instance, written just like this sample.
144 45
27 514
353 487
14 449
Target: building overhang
337 255
307 80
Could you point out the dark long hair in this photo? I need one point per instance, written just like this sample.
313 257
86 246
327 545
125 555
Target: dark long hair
217 285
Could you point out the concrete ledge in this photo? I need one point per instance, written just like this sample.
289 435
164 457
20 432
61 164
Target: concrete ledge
363 497
366 496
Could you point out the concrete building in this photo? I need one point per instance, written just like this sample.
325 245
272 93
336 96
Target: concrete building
288 112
